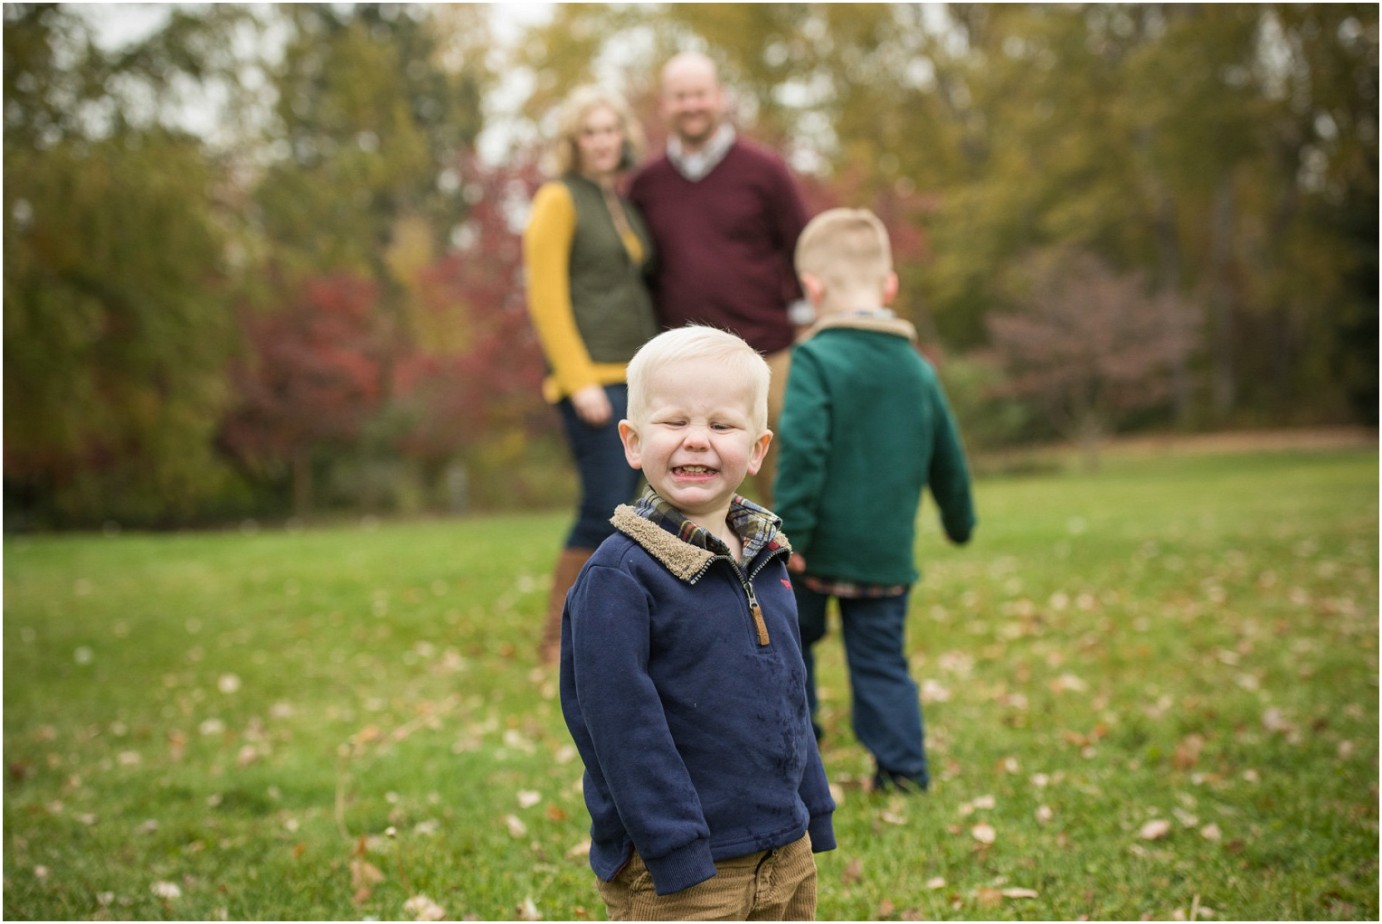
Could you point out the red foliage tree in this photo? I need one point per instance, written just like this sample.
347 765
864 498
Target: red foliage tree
1089 345
309 381
485 384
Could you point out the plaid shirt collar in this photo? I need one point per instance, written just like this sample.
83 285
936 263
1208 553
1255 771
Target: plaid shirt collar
755 526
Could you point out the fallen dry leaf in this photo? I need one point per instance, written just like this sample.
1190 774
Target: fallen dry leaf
422 908
1019 893
853 871
1155 830
984 833
1068 683
527 910
516 826
1187 753
933 691
166 890
177 746
364 874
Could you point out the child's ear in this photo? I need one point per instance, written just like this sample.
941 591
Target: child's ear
813 287
759 450
632 451
890 289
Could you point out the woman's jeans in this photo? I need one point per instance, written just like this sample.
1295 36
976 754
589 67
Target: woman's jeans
886 711
606 478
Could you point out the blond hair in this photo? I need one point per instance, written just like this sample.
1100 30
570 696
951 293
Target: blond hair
730 353
564 156
846 248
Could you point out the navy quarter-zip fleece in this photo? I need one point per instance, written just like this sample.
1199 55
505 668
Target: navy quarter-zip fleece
695 734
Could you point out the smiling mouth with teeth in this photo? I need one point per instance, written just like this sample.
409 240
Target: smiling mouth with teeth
694 469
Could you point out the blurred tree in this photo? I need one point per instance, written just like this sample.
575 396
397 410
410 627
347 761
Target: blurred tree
376 107
1319 258
477 380
114 317
1090 346
1203 144
306 386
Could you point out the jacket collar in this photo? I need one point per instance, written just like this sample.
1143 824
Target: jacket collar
879 321
686 549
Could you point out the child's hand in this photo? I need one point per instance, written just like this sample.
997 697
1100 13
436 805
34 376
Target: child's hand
796 564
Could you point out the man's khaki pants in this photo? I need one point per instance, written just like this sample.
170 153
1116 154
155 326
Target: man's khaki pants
772 885
780 363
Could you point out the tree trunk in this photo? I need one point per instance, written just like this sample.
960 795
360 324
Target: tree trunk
1169 263
1221 299
1089 433
302 482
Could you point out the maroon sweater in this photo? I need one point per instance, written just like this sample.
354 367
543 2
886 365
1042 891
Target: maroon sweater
725 244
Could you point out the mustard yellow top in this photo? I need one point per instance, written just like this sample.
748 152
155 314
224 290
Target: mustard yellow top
547 260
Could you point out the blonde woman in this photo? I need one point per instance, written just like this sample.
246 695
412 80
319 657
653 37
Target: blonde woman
586 253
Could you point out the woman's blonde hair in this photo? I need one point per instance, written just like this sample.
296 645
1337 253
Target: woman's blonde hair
564 155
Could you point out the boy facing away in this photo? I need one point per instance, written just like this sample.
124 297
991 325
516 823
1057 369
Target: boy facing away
682 678
865 428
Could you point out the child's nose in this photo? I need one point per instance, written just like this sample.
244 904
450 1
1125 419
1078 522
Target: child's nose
697 437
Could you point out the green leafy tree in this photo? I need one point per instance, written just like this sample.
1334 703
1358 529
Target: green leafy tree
114 323
372 111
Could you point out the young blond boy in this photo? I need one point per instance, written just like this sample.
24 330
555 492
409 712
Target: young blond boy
682 680
865 428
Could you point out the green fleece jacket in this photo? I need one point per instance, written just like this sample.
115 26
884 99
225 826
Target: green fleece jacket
866 427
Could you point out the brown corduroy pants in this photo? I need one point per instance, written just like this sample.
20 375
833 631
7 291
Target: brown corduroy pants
772 885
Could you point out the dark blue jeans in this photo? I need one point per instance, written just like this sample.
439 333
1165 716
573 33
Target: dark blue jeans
886 710
606 479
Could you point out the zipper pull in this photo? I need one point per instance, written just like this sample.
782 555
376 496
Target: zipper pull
757 612
760 624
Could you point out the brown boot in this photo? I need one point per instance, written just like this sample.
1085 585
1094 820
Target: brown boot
568 567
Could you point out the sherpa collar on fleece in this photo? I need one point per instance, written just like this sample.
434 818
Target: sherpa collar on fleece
879 321
685 558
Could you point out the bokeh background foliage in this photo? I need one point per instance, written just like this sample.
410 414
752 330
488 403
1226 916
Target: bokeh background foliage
310 300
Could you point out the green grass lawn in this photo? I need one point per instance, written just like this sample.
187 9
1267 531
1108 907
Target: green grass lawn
1149 692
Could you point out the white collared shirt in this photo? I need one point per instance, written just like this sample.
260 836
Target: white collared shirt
695 165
